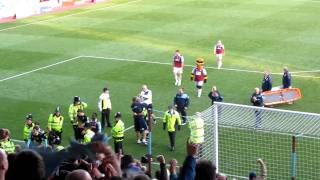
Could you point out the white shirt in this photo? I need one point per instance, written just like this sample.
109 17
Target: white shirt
146 96
106 97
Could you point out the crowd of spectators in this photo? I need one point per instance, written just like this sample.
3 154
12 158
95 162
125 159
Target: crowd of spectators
97 161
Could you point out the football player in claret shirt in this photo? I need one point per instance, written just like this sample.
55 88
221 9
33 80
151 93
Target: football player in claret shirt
219 52
199 75
178 62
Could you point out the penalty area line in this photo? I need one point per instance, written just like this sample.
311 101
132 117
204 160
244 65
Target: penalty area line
137 61
207 67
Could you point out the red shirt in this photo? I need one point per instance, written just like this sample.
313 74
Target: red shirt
219 48
178 60
199 74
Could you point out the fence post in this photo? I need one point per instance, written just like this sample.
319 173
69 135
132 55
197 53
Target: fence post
293 158
216 123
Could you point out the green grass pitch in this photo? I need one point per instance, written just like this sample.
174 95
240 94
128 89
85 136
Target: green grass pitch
258 35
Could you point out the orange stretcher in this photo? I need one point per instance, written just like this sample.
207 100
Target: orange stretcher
281 96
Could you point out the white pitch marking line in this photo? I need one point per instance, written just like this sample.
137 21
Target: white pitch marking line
38 69
128 128
311 71
133 60
69 15
208 67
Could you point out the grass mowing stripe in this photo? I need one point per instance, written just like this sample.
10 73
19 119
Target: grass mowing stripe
187 65
139 61
38 69
69 15
311 71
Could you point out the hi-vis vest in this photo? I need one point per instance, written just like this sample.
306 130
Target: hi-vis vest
118 131
197 130
172 120
73 111
7 146
55 123
26 131
88 136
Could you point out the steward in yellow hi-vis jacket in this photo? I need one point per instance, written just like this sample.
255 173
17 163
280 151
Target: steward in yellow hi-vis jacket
104 105
73 112
28 126
118 133
196 126
55 122
171 119
87 133
5 143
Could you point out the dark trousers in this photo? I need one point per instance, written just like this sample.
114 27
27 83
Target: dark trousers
78 132
105 116
58 133
258 114
118 148
183 113
75 131
172 138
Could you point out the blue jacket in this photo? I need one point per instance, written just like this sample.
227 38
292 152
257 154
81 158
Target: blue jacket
188 170
181 100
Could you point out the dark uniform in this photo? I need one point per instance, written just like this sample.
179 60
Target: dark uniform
286 80
139 121
257 100
181 102
82 120
266 83
215 96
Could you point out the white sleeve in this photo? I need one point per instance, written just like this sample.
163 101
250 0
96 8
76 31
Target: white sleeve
100 103
182 59
150 96
204 71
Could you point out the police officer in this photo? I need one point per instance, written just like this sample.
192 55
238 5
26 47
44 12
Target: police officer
118 133
87 133
266 82
28 126
257 100
104 105
181 102
55 122
140 124
171 120
5 143
73 112
196 126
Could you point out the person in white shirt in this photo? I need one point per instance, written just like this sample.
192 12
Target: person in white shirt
104 105
146 97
